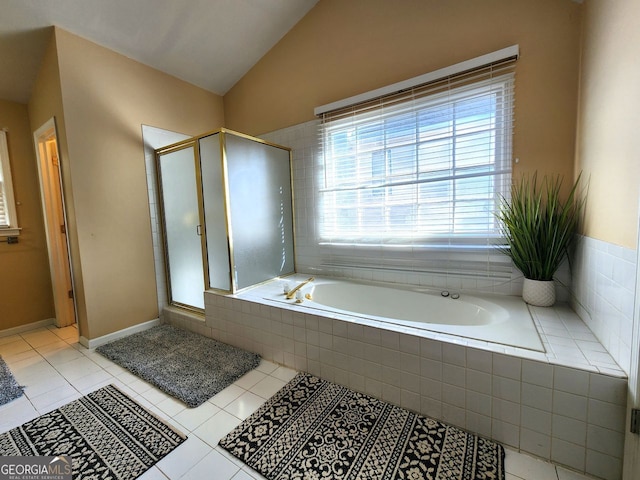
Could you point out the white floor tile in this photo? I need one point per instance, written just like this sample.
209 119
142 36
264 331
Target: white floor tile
230 457
15 413
226 396
527 467
248 474
127 377
7 350
62 355
564 474
153 473
52 399
153 395
267 387
66 333
90 382
78 368
104 362
192 418
124 388
140 386
213 462
33 368
183 458
250 379
53 347
171 406
113 369
41 385
216 427
40 337
9 339
284 373
266 367
19 357
244 405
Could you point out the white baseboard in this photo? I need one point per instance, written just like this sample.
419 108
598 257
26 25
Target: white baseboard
25 328
110 337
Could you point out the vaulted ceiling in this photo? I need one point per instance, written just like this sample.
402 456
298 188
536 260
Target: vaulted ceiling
209 43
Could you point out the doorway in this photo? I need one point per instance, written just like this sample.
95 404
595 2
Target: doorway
52 194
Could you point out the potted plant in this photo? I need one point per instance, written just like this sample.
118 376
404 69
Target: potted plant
539 229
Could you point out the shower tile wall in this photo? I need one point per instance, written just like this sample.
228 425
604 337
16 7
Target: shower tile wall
419 269
603 294
567 415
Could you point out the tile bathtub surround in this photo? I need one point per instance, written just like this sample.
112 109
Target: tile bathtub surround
603 292
574 417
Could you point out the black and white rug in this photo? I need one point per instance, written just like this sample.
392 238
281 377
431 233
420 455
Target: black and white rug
9 388
106 434
188 366
314 429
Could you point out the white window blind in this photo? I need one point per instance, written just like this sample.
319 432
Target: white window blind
424 166
8 221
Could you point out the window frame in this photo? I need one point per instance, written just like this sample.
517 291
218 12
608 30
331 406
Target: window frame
500 173
6 185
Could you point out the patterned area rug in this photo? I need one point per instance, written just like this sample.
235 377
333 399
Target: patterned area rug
314 429
188 366
106 434
9 388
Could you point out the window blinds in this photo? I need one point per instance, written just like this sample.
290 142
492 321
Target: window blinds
423 166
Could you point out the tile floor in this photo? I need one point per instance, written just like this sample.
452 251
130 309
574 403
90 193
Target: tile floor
56 369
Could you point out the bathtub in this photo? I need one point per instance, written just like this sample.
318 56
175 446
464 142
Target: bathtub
498 319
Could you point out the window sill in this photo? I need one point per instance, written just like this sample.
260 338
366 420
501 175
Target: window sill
9 232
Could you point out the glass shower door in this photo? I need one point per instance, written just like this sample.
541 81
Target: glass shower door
181 214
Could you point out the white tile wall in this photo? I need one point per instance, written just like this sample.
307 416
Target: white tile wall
603 292
567 414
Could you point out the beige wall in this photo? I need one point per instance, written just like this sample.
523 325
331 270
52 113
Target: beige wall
341 48
105 98
25 284
45 103
608 143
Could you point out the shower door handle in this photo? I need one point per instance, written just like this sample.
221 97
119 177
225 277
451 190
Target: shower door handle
198 231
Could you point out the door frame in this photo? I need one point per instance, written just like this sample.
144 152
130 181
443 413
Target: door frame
631 460
52 190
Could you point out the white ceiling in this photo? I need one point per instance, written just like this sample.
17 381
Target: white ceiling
209 43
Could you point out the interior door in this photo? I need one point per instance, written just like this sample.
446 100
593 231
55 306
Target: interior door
52 192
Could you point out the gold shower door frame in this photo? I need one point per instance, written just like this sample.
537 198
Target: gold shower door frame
194 143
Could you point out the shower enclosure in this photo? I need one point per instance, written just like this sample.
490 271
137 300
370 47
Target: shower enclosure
227 214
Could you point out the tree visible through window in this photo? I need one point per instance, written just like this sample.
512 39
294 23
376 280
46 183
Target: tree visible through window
429 169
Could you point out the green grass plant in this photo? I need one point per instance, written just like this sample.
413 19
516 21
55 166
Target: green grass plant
539 227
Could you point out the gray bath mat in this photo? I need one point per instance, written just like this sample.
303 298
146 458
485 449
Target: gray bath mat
316 429
188 366
9 388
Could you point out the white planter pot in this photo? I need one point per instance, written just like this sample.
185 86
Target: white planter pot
539 293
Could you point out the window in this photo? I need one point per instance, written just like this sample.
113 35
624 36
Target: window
8 220
426 166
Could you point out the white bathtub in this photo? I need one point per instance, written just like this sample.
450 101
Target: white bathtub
493 318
